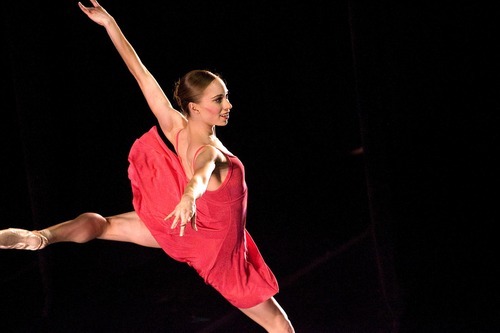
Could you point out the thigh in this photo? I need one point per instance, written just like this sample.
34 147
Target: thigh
128 227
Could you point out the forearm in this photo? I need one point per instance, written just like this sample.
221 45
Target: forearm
159 104
194 189
124 48
155 97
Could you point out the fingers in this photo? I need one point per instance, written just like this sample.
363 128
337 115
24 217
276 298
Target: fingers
82 7
183 223
183 228
168 216
86 9
174 222
193 222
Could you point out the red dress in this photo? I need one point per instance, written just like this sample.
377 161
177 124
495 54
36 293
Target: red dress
221 251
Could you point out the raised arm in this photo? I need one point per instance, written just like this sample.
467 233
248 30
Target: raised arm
169 119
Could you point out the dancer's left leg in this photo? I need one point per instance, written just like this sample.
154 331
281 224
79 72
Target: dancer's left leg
271 316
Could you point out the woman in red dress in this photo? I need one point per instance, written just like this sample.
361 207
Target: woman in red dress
190 200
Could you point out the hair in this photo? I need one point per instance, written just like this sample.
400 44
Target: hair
190 87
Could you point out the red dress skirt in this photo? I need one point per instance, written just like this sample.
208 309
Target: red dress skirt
221 251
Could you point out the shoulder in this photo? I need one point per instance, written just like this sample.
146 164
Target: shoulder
207 152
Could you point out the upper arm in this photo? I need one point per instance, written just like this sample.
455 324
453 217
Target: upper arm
205 161
168 117
204 165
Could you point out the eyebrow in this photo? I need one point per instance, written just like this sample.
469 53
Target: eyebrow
220 95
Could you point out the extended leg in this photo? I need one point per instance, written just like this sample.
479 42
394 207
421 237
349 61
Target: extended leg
270 316
125 227
83 228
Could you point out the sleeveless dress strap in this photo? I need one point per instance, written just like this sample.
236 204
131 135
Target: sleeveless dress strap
198 152
177 140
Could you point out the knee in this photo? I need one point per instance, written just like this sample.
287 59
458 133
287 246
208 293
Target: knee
93 218
95 224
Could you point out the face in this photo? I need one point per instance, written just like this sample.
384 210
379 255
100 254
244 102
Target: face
214 105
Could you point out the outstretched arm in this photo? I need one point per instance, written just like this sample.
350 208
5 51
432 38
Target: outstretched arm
169 119
185 211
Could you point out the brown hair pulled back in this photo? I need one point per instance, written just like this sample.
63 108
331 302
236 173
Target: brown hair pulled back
190 87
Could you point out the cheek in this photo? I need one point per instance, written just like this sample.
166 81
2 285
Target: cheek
213 110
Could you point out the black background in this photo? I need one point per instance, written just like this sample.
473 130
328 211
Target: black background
398 238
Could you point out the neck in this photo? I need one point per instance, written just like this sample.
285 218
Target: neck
202 131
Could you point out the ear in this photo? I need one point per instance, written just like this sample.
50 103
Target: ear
193 107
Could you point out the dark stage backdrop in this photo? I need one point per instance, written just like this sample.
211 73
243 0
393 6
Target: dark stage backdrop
358 123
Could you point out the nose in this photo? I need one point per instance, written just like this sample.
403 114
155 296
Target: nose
228 105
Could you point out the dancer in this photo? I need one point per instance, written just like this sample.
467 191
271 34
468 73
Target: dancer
199 183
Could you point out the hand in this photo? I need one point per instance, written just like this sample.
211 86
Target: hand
96 13
184 212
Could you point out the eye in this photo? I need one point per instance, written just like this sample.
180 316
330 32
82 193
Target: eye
219 99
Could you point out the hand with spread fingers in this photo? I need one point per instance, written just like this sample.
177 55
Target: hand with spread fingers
96 13
184 213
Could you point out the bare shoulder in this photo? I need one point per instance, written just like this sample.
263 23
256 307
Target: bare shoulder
206 152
